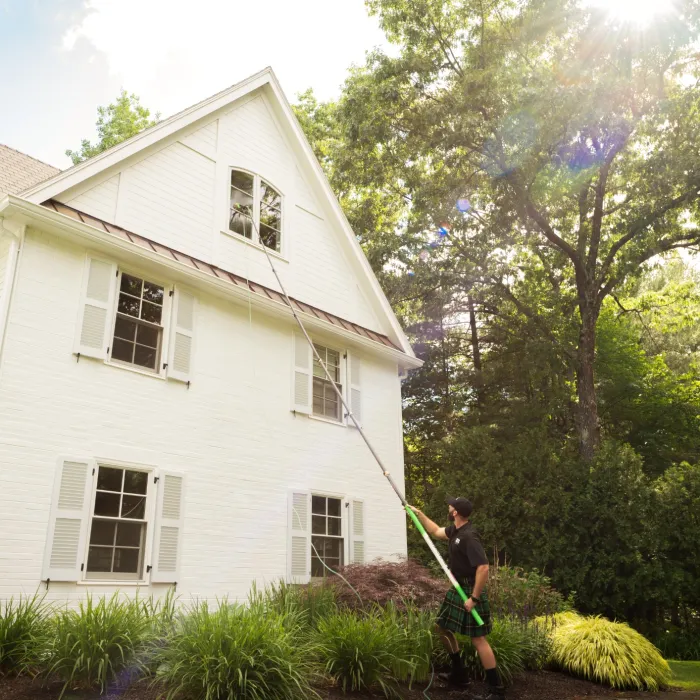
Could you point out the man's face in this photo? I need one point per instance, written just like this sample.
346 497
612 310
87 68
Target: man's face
451 513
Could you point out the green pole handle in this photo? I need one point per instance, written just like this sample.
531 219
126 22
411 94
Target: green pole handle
441 561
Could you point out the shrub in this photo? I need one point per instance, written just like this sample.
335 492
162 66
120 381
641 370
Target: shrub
311 602
363 651
607 652
233 652
23 633
96 644
415 641
678 644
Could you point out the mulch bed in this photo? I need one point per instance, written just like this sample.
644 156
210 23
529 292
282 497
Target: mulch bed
541 685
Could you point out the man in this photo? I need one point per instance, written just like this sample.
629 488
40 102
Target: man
469 565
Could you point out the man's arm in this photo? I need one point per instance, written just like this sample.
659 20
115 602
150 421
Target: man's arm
433 529
482 576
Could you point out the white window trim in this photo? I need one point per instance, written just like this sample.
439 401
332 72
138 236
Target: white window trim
151 498
342 421
254 241
344 519
161 372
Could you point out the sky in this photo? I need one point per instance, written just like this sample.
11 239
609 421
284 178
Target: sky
61 59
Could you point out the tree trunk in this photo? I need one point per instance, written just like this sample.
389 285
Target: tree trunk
476 353
587 420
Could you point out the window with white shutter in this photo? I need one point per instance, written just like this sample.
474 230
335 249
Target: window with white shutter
301 375
357 531
97 301
168 528
354 382
299 539
68 520
182 336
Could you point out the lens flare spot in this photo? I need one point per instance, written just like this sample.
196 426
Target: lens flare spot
443 231
464 205
424 255
410 273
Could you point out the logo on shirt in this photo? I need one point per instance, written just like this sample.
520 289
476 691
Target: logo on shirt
457 541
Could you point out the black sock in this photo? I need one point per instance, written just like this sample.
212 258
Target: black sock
493 677
456 659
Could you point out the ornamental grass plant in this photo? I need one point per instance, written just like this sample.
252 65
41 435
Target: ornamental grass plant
23 634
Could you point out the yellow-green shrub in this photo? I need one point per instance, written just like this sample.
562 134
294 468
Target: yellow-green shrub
607 652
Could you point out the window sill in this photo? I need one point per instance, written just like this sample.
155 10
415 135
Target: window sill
113 583
135 370
340 424
256 246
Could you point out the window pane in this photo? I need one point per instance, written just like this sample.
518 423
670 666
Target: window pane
126 561
269 196
129 305
318 406
131 285
124 328
102 532
100 559
317 569
129 534
269 237
242 181
109 479
107 504
145 357
133 506
240 223
318 524
152 292
135 482
122 350
318 505
151 312
270 217
147 336
334 527
333 548
333 506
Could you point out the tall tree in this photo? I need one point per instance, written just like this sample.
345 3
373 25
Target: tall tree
567 139
117 122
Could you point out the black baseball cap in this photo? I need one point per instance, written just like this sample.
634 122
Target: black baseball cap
462 505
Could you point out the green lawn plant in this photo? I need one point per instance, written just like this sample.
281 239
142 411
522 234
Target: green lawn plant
23 633
686 674
98 644
234 651
607 652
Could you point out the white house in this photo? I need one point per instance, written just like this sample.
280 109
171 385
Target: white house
162 423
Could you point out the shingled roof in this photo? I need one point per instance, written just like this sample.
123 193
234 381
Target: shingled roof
18 171
217 272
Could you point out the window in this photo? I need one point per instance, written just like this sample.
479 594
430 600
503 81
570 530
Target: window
118 525
138 329
326 535
254 200
325 400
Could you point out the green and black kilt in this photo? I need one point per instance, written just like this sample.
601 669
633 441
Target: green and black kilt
453 615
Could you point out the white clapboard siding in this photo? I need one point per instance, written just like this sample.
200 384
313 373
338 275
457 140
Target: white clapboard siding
167 547
96 307
299 540
68 521
357 531
354 370
182 336
302 375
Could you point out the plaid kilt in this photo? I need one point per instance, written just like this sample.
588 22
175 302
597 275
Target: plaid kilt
453 615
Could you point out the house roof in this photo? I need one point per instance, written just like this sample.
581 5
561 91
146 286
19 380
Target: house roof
18 171
217 272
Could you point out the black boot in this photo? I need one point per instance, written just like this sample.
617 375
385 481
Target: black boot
457 677
496 689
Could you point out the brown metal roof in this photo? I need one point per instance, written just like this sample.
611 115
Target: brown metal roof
18 171
217 272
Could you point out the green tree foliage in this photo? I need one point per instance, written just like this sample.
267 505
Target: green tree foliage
117 122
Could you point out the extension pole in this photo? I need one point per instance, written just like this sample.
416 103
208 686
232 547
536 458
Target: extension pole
350 415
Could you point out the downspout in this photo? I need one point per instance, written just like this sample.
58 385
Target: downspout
16 232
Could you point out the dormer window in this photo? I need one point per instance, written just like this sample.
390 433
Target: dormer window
255 204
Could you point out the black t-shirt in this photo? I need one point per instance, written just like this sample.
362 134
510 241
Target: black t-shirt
466 552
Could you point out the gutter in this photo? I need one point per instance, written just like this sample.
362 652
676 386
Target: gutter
16 232
24 213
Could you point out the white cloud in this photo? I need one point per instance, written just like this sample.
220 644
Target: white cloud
175 52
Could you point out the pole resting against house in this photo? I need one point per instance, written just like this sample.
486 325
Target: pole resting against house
351 416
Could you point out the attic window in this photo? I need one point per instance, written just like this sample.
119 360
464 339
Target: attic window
255 206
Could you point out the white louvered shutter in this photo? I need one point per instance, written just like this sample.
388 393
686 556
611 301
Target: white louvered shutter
299 541
354 369
182 336
96 308
167 545
302 375
68 522
357 531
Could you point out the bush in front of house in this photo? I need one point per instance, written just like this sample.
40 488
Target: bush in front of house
23 633
99 644
234 651
311 602
607 652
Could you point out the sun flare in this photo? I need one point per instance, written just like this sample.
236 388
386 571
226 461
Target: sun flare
640 12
